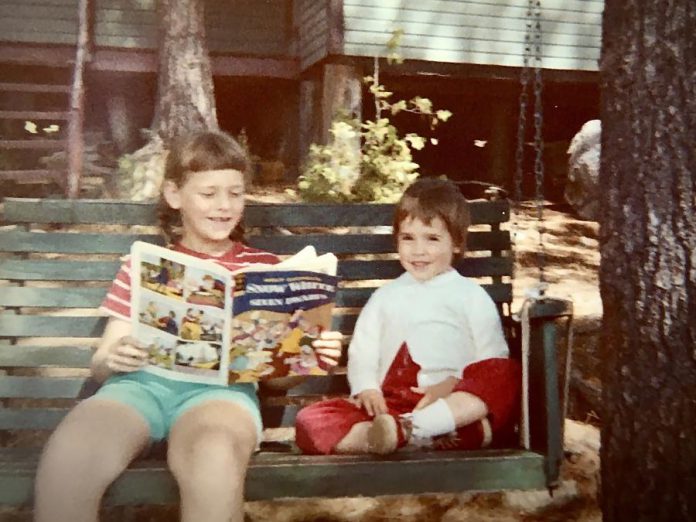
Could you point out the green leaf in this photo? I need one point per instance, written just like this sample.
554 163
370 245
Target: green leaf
443 115
394 58
398 107
417 142
395 39
423 105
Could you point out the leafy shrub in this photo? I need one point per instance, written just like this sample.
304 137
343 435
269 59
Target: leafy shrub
370 160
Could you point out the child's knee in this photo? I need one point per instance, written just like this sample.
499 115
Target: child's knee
212 449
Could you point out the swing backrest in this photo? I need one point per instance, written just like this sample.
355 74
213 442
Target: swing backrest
59 256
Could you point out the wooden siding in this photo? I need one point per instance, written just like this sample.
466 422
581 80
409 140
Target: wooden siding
248 27
312 26
486 32
39 21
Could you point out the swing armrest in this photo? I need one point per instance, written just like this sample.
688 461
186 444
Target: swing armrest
545 395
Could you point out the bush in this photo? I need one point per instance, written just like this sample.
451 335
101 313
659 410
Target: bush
368 161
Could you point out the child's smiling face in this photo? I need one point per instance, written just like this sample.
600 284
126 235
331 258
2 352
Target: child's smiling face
211 203
425 250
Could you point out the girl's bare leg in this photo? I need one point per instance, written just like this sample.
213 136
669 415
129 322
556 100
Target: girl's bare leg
90 448
355 440
209 450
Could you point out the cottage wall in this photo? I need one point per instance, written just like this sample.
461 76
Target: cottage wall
248 27
313 27
475 32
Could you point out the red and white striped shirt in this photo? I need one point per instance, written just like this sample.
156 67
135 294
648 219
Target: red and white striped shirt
117 300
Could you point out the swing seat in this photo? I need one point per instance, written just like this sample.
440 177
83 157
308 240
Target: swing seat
52 279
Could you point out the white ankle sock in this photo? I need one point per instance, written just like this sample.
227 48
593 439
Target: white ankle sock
433 420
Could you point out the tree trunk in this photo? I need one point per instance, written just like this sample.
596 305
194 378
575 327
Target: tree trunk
185 97
648 269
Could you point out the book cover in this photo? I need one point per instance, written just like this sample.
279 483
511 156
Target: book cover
277 315
202 323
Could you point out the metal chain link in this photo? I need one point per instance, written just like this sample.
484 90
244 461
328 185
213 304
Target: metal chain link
533 39
524 100
539 140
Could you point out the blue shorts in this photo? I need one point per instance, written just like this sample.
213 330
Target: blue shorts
161 401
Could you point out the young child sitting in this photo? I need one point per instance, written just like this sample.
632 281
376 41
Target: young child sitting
428 363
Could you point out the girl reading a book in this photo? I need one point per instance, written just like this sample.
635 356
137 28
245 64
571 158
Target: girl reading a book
211 430
428 363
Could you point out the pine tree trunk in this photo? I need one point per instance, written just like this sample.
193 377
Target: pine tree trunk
648 269
185 99
185 95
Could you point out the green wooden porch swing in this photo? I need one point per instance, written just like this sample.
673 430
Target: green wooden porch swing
58 256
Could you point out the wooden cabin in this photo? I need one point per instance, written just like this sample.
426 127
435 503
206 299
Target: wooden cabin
282 68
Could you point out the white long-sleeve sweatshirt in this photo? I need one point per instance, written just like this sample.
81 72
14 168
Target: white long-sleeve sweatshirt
448 322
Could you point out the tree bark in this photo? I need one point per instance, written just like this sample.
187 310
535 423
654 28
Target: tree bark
648 269
185 98
185 95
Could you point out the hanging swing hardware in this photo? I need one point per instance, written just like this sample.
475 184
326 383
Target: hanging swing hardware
532 63
539 314
536 292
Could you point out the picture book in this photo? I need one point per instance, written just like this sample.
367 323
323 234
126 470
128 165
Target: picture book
203 323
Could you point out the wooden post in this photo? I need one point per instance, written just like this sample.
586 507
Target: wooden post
338 89
308 120
342 91
75 145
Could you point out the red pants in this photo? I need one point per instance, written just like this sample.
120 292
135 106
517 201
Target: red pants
322 425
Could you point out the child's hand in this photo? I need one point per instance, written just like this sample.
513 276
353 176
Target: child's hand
126 355
329 347
436 391
373 402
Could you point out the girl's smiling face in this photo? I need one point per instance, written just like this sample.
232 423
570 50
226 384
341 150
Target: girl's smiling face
211 203
425 250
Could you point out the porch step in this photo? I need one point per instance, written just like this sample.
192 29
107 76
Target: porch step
33 176
34 87
34 128
37 144
34 115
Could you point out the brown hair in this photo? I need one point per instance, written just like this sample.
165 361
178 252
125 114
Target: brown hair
430 198
198 152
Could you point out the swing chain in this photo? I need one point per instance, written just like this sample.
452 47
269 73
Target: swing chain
532 52
524 100
536 294
538 138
